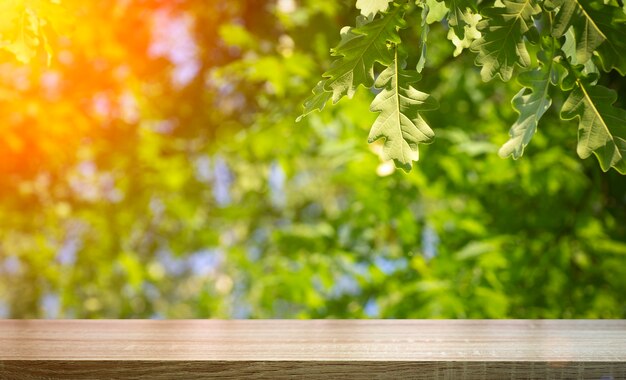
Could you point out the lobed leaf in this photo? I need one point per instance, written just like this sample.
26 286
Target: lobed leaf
531 102
27 40
369 8
597 27
24 26
432 11
457 15
359 49
601 126
423 38
502 45
317 101
471 33
437 10
399 121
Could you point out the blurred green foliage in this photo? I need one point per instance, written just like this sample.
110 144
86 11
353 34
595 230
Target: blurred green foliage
155 170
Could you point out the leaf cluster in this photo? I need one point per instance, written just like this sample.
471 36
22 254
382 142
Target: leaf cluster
553 47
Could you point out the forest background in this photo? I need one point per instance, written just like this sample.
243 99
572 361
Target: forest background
151 167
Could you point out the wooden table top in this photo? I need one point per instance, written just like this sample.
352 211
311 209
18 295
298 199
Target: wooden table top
315 340
313 349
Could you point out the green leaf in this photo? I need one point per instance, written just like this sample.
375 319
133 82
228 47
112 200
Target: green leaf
470 34
400 122
359 49
531 102
432 11
597 27
601 127
502 45
569 49
317 101
456 17
437 10
423 38
369 8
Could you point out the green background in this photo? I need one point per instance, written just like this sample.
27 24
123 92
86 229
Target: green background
155 170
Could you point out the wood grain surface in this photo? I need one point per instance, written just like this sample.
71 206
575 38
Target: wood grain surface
407 349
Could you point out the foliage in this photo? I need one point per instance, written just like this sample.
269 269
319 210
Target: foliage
600 124
153 170
399 105
501 40
25 26
531 107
